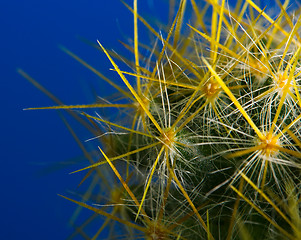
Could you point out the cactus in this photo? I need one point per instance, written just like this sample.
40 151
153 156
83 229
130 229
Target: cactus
207 143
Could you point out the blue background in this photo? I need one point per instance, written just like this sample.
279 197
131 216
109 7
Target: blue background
32 141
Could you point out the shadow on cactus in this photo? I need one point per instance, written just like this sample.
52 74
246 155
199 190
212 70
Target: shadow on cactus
207 144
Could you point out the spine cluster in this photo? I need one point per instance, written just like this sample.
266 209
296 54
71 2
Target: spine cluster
207 142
